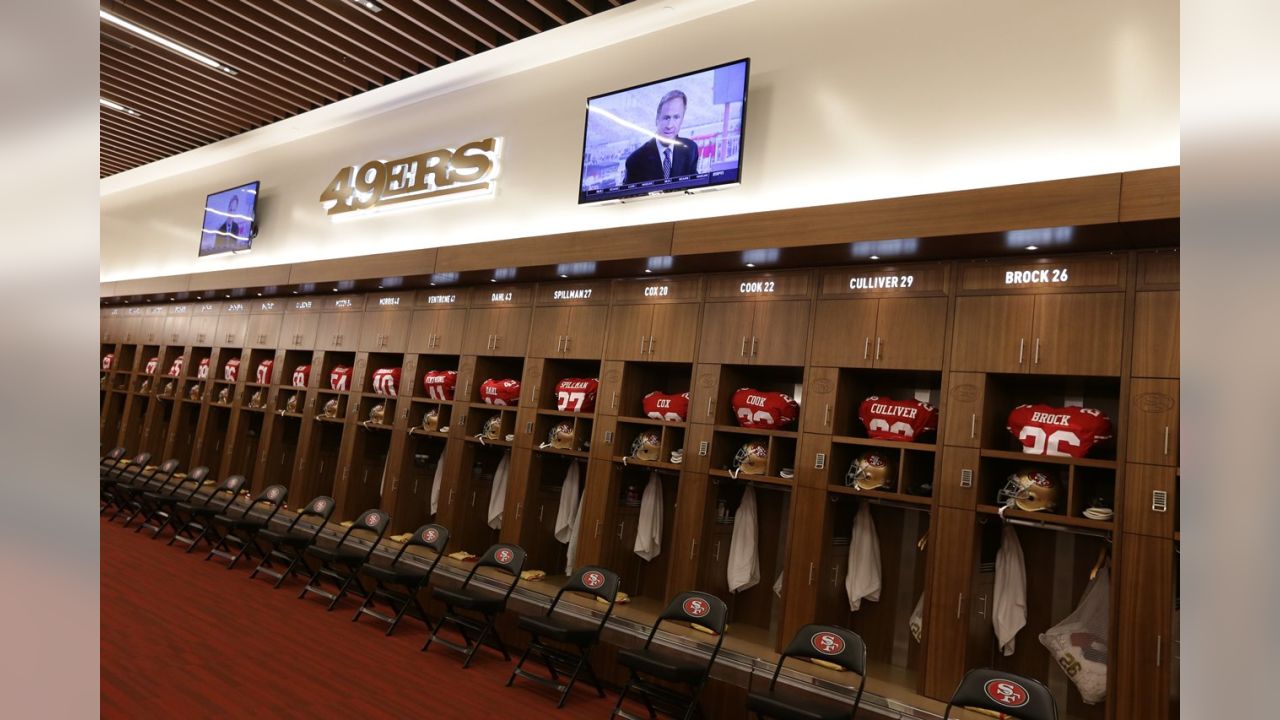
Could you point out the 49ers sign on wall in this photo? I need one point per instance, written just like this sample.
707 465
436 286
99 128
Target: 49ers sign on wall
442 174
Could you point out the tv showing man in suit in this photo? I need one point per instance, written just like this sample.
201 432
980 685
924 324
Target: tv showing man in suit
667 155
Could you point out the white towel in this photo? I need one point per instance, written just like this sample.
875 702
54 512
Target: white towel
436 483
572 552
568 503
777 584
744 558
649 532
498 494
862 578
1010 609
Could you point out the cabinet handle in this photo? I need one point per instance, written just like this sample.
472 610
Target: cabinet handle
1166 439
879 342
973 425
693 546
753 346
614 403
473 498
566 343
1159 648
1022 345
835 576
598 528
451 495
1036 361
866 348
650 351
710 404
810 573
826 416
497 340
519 505
742 351
716 554
641 344
959 604
622 527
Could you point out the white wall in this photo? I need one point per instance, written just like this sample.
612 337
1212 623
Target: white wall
849 100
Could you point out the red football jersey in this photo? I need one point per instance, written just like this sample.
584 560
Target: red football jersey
764 409
108 360
889 419
301 376
231 370
340 378
661 406
1066 431
439 384
386 381
151 366
577 394
264 371
175 370
202 370
500 392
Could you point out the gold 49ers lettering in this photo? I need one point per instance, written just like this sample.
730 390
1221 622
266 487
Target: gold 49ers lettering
431 175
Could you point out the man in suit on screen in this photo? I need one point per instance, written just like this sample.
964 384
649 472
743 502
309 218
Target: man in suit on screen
666 155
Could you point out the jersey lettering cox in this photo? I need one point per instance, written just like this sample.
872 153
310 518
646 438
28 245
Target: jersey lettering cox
439 384
576 394
500 392
386 381
661 406
1064 432
766 410
903 420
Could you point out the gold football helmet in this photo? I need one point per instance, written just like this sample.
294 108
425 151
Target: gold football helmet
291 405
378 413
871 470
493 427
561 436
1030 490
331 408
751 459
646 446
224 396
431 420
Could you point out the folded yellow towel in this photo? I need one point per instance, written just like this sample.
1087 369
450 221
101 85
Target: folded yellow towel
347 523
825 664
462 555
708 631
402 537
532 575
620 599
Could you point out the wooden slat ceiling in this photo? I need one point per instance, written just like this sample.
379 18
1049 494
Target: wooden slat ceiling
289 56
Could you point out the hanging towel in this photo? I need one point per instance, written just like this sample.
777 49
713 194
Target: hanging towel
498 495
572 552
436 483
744 556
777 585
1010 610
568 503
862 579
649 532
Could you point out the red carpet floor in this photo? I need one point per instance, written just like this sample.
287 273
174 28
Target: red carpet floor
186 638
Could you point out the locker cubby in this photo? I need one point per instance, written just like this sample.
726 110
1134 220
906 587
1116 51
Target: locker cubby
226 356
885 624
470 527
366 478
112 418
477 418
255 398
497 368
670 438
148 352
134 413
184 432
213 440
781 446
425 364
332 360
754 612
119 382
365 419
244 449
198 354
167 388
323 398
379 361
222 393
640 578
413 497
418 410
167 357
789 380
856 385
1005 392
282 451
553 371
284 395
155 428
125 359
193 391
1058 565
321 467
256 358
582 426
539 508
1078 485
641 378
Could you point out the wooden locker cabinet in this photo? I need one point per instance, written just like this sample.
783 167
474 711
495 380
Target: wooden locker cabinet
175 329
1153 421
962 413
338 331
990 333
1155 334
576 331
843 333
385 330
231 330
686 539
779 333
946 619
819 409
263 330
298 331
203 329
899 333
660 332
629 328
1053 334
726 330
151 329
1144 620
802 584
496 331
437 331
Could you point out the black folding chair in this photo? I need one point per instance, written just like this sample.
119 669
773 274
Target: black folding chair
1015 696
149 499
594 581
110 461
196 517
830 643
288 545
694 607
128 495
127 473
504 558
241 528
341 563
404 575
162 504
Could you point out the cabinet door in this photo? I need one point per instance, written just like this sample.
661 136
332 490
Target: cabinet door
584 336
726 330
449 330
991 333
595 497
909 333
674 332
818 414
550 325
1155 335
686 541
629 328
203 329
264 330
843 333
511 332
299 331
478 336
127 329
422 331
386 331
780 334
339 331
231 330
151 330
1153 421
808 534
946 618
1150 500
1078 334
1145 645
962 410
175 329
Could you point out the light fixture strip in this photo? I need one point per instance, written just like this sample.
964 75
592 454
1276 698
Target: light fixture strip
165 42
118 107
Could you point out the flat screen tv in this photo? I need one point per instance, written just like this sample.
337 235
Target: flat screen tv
681 134
230 220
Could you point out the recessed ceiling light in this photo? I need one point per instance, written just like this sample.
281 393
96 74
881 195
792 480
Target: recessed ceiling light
170 299
118 107
751 264
433 284
875 257
367 5
648 270
493 279
1033 247
295 292
335 289
228 296
379 287
165 42
563 275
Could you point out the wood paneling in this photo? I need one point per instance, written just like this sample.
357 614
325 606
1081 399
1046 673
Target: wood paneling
1156 335
946 617
613 244
384 265
991 333
240 278
909 333
1142 655
952 491
1153 422
1078 334
1140 511
1151 194
962 414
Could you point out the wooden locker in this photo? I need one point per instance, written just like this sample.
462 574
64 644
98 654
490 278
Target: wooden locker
511 332
231 330
686 543
702 396
1078 334
546 335
674 332
263 330
1155 335
819 409
127 329
585 331
1153 421
991 333
909 333
959 479
813 461
339 331
422 332
175 329
726 331
1143 650
946 620
843 333
1150 500
804 572
595 499
450 325
385 330
298 331
629 327
203 329
477 339
780 333
611 374
962 410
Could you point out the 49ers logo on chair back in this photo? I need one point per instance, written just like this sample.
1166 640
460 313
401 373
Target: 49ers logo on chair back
576 394
231 370
301 376
202 370
503 555
152 364
1007 692
386 381
429 535
889 419
340 378
264 371
372 519
175 370
1066 431
827 643
439 384
661 406
696 607
592 579
108 360
764 409
500 392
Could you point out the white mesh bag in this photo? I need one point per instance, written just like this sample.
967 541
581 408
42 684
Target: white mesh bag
1079 643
